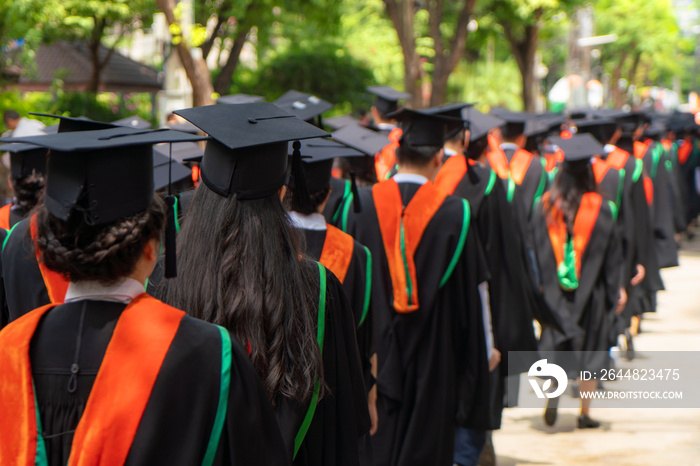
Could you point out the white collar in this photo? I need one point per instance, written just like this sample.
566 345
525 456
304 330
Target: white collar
385 126
449 152
609 148
410 178
122 292
510 146
308 222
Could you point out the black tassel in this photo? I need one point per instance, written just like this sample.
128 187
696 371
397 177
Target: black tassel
357 204
301 194
170 239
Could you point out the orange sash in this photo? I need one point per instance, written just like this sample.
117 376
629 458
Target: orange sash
519 165
451 173
385 159
600 168
640 148
402 229
553 159
667 144
497 158
583 228
337 252
684 151
649 189
56 284
5 216
119 395
617 158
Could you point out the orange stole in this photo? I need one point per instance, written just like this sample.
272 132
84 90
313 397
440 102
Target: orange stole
402 230
497 158
640 148
337 252
553 159
583 228
5 216
519 164
684 151
617 158
385 159
119 395
56 284
600 168
451 173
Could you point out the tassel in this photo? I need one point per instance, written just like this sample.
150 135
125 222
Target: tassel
356 203
301 195
170 238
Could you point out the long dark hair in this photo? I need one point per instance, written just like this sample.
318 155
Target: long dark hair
103 253
571 183
28 190
239 266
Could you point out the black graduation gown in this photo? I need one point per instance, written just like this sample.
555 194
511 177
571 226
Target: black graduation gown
511 297
534 183
687 170
588 311
24 286
432 365
340 194
342 416
4 315
179 415
664 227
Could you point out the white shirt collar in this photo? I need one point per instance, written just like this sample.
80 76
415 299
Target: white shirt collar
609 148
510 146
308 222
122 292
449 152
385 126
410 178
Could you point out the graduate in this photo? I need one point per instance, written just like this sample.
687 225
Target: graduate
579 254
27 180
109 373
241 266
354 172
386 102
429 275
306 107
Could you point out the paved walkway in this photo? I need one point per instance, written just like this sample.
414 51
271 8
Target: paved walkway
628 436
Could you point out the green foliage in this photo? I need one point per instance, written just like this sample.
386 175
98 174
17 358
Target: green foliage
487 84
327 71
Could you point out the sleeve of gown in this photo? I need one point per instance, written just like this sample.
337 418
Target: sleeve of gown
253 435
612 267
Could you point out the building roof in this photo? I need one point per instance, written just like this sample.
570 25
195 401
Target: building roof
71 62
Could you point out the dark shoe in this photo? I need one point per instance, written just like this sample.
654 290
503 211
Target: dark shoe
585 422
550 412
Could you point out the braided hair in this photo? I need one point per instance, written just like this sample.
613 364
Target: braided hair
28 190
103 253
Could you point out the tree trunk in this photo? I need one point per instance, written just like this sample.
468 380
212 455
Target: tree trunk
617 96
401 13
524 50
93 85
196 70
223 81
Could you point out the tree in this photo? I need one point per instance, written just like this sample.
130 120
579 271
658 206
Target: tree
444 25
89 21
647 33
195 68
19 34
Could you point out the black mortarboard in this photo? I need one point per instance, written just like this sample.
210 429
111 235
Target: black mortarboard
681 122
185 127
317 156
656 129
183 151
25 159
358 137
89 173
340 122
453 111
480 123
70 124
165 172
133 121
239 99
387 98
303 106
601 128
580 113
247 154
578 147
515 121
421 128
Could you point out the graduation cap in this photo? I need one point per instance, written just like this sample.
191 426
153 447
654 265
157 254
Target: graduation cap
601 128
134 121
167 172
234 99
358 137
480 123
25 159
185 127
681 122
578 149
183 151
248 152
421 128
340 122
453 111
387 98
317 157
515 121
656 129
303 106
70 124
